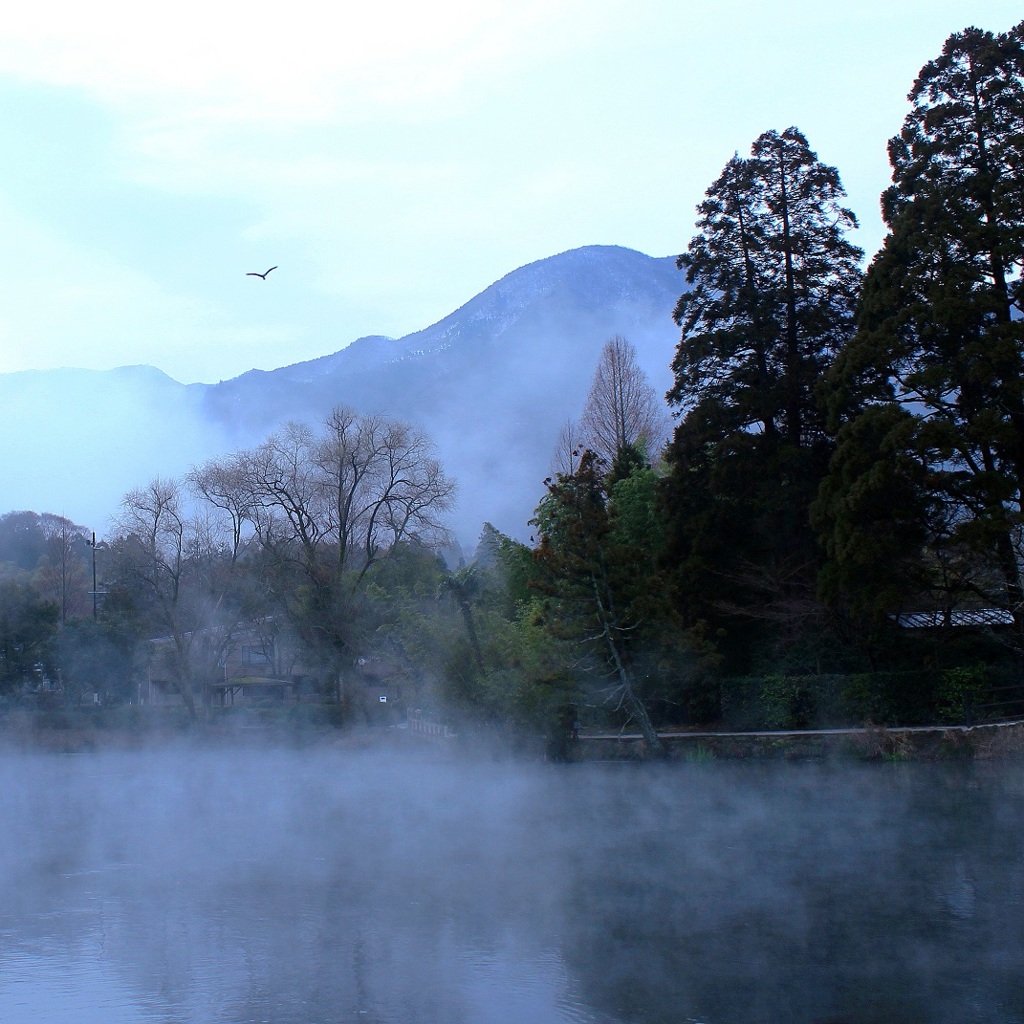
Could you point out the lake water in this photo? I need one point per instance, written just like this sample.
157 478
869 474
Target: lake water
330 886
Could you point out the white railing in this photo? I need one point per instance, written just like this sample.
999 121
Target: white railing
429 726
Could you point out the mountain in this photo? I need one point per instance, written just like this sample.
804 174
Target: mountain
74 441
492 383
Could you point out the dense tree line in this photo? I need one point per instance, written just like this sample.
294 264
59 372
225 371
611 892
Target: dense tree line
848 449
848 445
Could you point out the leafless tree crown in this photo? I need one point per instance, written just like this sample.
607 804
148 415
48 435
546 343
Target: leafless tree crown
320 505
622 408
357 487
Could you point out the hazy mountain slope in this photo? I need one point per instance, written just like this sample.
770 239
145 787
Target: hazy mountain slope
493 383
73 441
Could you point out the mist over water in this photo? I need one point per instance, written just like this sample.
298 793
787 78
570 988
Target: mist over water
332 885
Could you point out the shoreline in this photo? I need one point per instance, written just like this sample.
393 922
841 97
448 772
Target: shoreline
866 743
81 733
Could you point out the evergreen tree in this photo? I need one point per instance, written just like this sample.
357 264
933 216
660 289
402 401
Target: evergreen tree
875 516
28 625
774 284
940 333
591 581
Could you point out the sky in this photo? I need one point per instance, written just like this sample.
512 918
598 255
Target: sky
394 159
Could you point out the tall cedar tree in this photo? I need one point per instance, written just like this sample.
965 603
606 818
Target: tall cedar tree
774 285
940 333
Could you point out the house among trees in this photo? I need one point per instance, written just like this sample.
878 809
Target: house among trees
245 669
256 668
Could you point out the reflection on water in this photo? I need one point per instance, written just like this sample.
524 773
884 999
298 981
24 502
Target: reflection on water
300 887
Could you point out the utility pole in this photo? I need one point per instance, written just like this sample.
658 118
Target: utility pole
92 544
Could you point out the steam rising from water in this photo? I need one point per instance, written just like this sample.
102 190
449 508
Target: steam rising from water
332 885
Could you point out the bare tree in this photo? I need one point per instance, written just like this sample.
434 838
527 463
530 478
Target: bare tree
62 574
340 499
182 562
381 485
568 449
622 408
325 506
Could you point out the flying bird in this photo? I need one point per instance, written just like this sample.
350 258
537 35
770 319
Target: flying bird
253 273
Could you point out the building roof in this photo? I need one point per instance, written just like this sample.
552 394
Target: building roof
957 617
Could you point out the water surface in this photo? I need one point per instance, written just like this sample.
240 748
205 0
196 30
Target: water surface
315 886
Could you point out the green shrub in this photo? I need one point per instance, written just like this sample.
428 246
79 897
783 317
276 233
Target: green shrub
959 689
829 701
788 702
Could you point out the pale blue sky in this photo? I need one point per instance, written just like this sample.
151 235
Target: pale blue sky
393 161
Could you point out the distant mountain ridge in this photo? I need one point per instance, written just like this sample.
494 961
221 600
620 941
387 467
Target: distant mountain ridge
493 383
